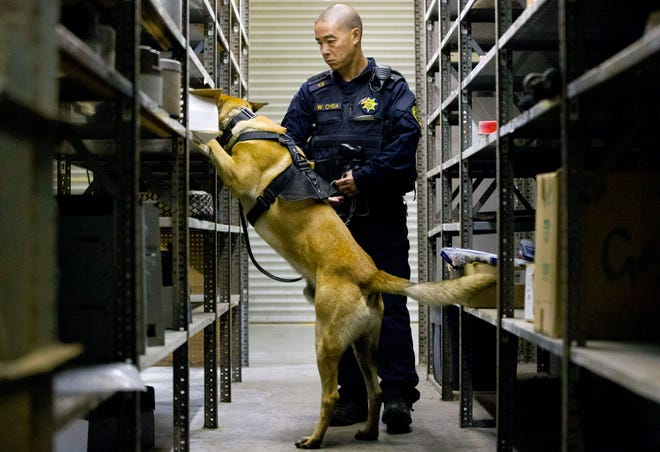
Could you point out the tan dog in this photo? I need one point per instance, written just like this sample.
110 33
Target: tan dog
342 280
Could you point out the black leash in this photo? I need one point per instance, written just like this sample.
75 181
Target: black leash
252 258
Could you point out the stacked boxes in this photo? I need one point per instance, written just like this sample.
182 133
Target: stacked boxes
547 307
488 298
621 256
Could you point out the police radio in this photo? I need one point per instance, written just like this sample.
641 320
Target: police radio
353 157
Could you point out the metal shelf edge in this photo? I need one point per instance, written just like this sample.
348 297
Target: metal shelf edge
520 327
446 38
197 64
528 116
71 47
201 225
479 68
173 340
200 321
524 18
431 11
39 361
633 365
637 52
160 25
202 10
488 315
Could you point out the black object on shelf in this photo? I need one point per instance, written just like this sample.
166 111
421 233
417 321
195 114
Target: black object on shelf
102 435
87 279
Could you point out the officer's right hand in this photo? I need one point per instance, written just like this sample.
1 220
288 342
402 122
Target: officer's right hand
346 184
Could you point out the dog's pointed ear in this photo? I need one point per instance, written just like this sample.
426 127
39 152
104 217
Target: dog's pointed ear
257 105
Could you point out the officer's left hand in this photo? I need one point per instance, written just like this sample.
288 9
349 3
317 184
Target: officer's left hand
346 185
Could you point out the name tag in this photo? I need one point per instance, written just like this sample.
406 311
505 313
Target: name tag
328 106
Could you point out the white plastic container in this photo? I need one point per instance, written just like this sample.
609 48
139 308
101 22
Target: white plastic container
151 78
171 71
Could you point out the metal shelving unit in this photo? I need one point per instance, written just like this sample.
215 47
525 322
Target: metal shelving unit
30 352
128 143
476 50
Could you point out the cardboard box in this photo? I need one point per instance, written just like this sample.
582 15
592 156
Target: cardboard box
621 257
529 292
488 297
547 309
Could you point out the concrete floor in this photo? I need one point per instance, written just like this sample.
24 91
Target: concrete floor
278 402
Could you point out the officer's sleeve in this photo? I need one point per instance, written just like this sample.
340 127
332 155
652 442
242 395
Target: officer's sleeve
393 170
298 117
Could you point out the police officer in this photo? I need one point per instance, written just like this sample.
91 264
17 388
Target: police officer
368 111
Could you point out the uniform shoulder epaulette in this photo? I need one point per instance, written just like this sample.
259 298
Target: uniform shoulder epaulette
395 76
319 81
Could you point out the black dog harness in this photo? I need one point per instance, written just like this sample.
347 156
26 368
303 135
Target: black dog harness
297 182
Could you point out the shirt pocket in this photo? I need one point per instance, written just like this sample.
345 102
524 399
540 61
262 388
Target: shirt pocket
367 123
328 116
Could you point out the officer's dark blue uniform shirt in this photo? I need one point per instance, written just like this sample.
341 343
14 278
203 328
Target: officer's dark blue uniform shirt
328 111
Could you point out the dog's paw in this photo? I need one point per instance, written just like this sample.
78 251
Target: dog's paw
367 435
308 443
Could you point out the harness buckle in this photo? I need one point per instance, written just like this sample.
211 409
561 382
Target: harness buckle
262 205
247 112
302 163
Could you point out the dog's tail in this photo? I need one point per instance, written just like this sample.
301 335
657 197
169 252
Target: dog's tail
432 293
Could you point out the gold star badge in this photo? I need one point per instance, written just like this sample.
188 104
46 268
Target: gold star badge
368 105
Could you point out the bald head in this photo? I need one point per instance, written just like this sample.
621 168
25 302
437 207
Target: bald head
338 32
342 16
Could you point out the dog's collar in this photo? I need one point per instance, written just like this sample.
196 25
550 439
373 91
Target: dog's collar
244 114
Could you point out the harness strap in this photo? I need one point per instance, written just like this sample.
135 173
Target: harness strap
246 237
270 194
257 135
285 140
243 115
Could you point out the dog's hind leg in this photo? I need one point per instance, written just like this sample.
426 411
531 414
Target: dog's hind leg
366 350
328 353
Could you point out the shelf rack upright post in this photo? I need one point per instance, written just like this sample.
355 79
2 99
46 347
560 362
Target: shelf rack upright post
507 343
